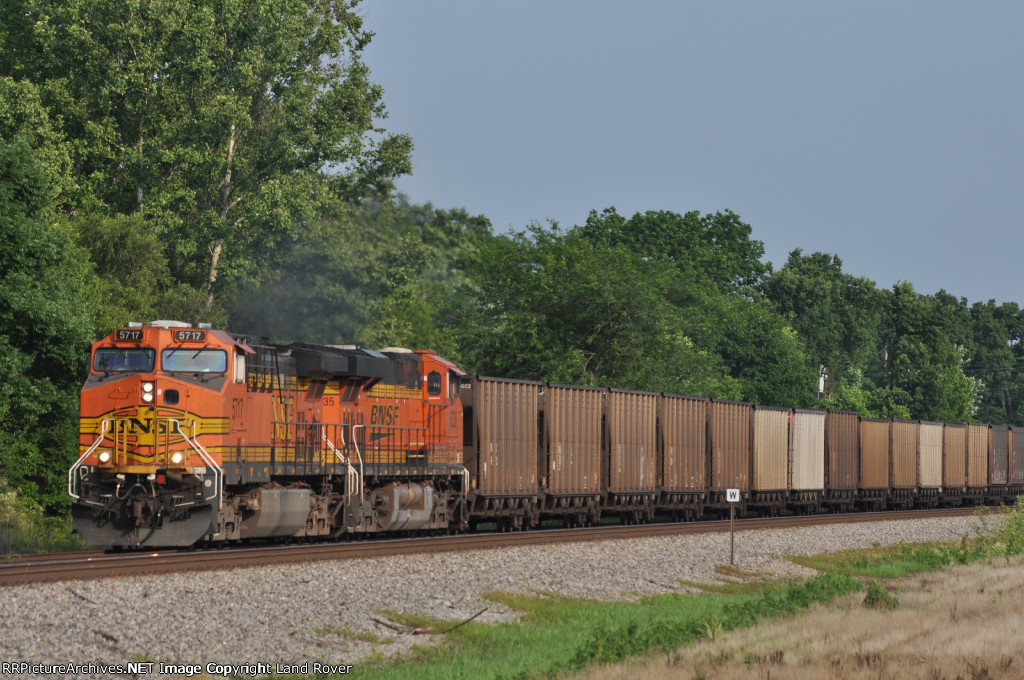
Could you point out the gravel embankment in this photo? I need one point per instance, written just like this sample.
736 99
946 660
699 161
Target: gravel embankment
319 611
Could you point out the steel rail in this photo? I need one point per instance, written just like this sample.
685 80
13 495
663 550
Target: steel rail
93 565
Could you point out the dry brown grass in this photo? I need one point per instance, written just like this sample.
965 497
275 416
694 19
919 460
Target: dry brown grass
960 624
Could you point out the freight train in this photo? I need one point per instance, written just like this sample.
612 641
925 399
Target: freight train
194 435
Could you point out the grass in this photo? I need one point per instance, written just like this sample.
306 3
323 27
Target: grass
557 635
26 531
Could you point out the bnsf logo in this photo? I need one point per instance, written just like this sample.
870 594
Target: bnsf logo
383 415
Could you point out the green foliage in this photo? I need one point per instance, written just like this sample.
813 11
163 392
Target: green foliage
716 249
855 392
1005 540
558 635
764 354
24 530
995 360
44 331
922 356
134 281
1009 538
552 305
380 275
227 124
878 597
837 315
24 116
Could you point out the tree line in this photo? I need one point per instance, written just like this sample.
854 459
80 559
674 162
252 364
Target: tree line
228 162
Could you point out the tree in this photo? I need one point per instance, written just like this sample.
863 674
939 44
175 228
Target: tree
922 357
553 305
44 330
226 124
763 353
836 315
134 281
996 361
378 275
716 248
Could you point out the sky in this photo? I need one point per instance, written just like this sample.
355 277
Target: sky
888 133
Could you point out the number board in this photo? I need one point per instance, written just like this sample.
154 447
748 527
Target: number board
189 336
732 495
129 334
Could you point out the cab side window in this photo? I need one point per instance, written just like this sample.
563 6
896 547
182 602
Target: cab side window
434 383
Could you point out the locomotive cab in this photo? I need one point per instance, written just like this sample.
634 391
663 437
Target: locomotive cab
143 476
190 433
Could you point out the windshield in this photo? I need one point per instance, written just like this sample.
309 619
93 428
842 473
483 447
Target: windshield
185 360
127 360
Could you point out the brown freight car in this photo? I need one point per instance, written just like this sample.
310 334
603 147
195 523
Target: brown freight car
842 455
729 427
500 447
682 471
629 462
769 463
807 459
978 437
998 464
1016 472
929 464
954 463
873 487
571 453
903 464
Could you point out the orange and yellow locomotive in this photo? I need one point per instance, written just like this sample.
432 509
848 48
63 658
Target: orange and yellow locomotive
191 434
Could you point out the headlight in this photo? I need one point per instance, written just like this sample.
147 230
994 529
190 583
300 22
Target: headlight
147 397
147 387
147 392
104 457
177 457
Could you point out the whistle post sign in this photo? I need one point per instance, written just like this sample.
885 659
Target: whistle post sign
733 497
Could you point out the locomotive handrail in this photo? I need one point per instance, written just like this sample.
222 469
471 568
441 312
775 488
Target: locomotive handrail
218 475
104 426
352 478
355 445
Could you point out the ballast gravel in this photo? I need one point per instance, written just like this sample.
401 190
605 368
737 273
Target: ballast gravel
340 612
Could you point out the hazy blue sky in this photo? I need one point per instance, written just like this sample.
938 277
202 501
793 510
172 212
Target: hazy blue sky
889 133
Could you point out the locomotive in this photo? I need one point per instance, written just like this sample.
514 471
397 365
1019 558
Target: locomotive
191 434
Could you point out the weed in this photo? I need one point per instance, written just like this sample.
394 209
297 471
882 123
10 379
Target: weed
712 629
879 598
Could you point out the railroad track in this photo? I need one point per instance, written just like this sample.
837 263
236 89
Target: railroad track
97 564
